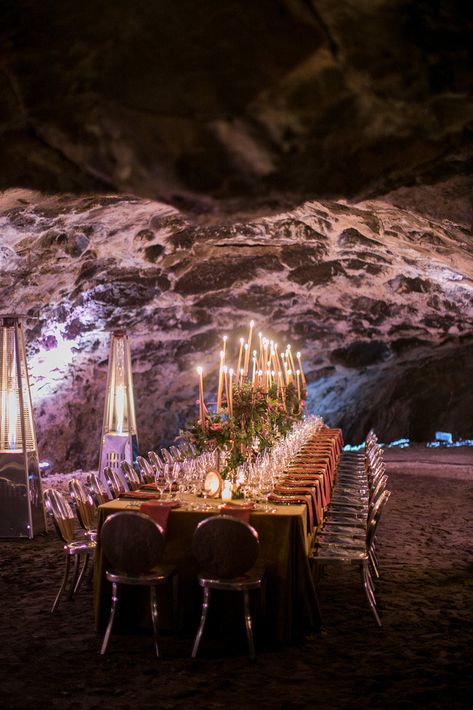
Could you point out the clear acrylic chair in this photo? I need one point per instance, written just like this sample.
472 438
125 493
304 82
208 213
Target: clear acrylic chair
156 461
132 546
84 506
355 550
79 550
131 477
114 483
100 494
226 550
146 469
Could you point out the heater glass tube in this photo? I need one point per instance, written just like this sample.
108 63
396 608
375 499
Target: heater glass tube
12 352
120 394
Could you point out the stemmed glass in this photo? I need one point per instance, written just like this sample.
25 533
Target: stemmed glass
169 477
161 482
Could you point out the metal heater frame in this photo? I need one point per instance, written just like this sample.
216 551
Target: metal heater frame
116 447
22 511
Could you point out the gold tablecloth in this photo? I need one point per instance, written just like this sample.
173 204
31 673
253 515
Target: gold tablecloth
291 606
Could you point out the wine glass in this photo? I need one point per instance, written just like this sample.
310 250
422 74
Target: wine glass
169 476
161 482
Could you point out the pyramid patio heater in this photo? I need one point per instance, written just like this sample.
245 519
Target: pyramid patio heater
21 498
119 440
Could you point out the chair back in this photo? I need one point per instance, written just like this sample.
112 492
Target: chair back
167 456
114 483
84 505
379 488
132 543
156 461
131 476
177 453
99 492
61 514
374 517
147 471
225 547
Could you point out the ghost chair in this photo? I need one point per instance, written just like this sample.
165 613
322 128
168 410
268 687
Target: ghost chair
85 508
79 550
350 547
99 492
114 483
146 469
131 477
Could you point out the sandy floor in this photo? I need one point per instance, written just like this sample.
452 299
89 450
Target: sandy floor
420 659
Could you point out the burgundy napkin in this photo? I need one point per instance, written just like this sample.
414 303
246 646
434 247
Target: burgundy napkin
288 489
242 512
159 510
141 495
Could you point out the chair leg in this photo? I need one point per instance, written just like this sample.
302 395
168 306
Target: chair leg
113 609
203 619
175 600
75 575
374 563
81 576
249 632
154 617
369 592
63 583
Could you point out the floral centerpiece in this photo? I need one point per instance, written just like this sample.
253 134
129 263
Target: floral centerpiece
253 411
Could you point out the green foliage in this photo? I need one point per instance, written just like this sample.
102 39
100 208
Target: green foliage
258 420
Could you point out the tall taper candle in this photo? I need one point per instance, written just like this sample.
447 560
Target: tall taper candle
242 340
298 355
201 396
247 354
220 382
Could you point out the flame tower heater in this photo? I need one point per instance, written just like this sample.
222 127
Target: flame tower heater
119 439
21 498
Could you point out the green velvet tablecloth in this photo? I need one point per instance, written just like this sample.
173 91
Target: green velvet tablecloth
291 607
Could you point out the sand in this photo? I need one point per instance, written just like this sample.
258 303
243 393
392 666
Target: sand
421 658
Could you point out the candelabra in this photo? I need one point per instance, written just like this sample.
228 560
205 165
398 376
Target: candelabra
21 499
119 438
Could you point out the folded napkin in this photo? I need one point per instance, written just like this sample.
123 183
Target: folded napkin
159 510
149 487
311 488
242 512
141 495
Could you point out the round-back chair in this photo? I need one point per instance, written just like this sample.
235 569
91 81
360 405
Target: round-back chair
132 546
226 549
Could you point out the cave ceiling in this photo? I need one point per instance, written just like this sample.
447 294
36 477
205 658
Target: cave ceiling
178 168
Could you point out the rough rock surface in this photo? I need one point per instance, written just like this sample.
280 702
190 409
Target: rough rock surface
379 300
199 100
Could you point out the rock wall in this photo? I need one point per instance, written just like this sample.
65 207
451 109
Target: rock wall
378 298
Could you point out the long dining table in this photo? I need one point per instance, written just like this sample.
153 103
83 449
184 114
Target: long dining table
291 609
